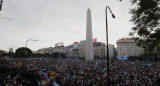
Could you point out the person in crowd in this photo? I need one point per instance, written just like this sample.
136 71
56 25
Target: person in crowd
82 73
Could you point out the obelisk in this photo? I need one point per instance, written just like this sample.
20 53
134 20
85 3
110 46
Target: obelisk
89 42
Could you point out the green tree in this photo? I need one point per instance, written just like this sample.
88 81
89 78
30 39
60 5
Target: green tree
1 2
58 55
46 55
10 54
23 52
63 55
2 53
146 18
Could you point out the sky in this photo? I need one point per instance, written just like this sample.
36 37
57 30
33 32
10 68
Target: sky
53 21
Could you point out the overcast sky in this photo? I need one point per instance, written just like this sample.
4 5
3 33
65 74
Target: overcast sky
53 21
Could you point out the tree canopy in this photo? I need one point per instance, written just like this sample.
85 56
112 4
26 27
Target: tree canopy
146 20
23 52
2 53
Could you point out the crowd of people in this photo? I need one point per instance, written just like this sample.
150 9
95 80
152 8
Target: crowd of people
71 72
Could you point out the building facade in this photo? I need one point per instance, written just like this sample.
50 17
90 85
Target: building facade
10 49
77 50
128 47
111 51
59 47
70 51
99 50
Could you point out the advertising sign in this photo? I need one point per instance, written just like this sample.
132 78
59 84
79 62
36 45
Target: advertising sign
121 58
20 64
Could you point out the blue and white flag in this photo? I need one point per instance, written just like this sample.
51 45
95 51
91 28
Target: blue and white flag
54 83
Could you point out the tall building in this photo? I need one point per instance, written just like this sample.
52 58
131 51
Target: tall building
58 48
42 51
70 51
111 50
82 50
60 44
99 50
66 51
78 50
10 49
128 47
89 42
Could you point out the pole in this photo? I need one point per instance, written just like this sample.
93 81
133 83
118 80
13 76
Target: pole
108 80
6 18
29 40
158 60
26 43
59 54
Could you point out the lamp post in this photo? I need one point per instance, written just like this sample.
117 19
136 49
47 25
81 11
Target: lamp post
158 60
26 44
29 40
107 43
59 54
6 18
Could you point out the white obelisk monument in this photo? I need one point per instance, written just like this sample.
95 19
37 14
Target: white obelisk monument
89 39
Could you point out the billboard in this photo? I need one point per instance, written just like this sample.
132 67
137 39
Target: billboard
94 40
75 45
121 58
59 44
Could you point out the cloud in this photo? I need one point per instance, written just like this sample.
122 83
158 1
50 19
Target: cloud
60 21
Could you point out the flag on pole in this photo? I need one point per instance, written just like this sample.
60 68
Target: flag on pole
45 75
54 83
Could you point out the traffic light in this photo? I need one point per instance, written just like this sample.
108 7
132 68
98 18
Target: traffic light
1 1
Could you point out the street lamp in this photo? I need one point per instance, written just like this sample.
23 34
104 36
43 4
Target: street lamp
107 42
6 18
59 54
158 60
29 40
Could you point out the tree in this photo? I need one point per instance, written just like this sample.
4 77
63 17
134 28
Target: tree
2 53
146 18
1 2
23 52
58 55
10 54
63 55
